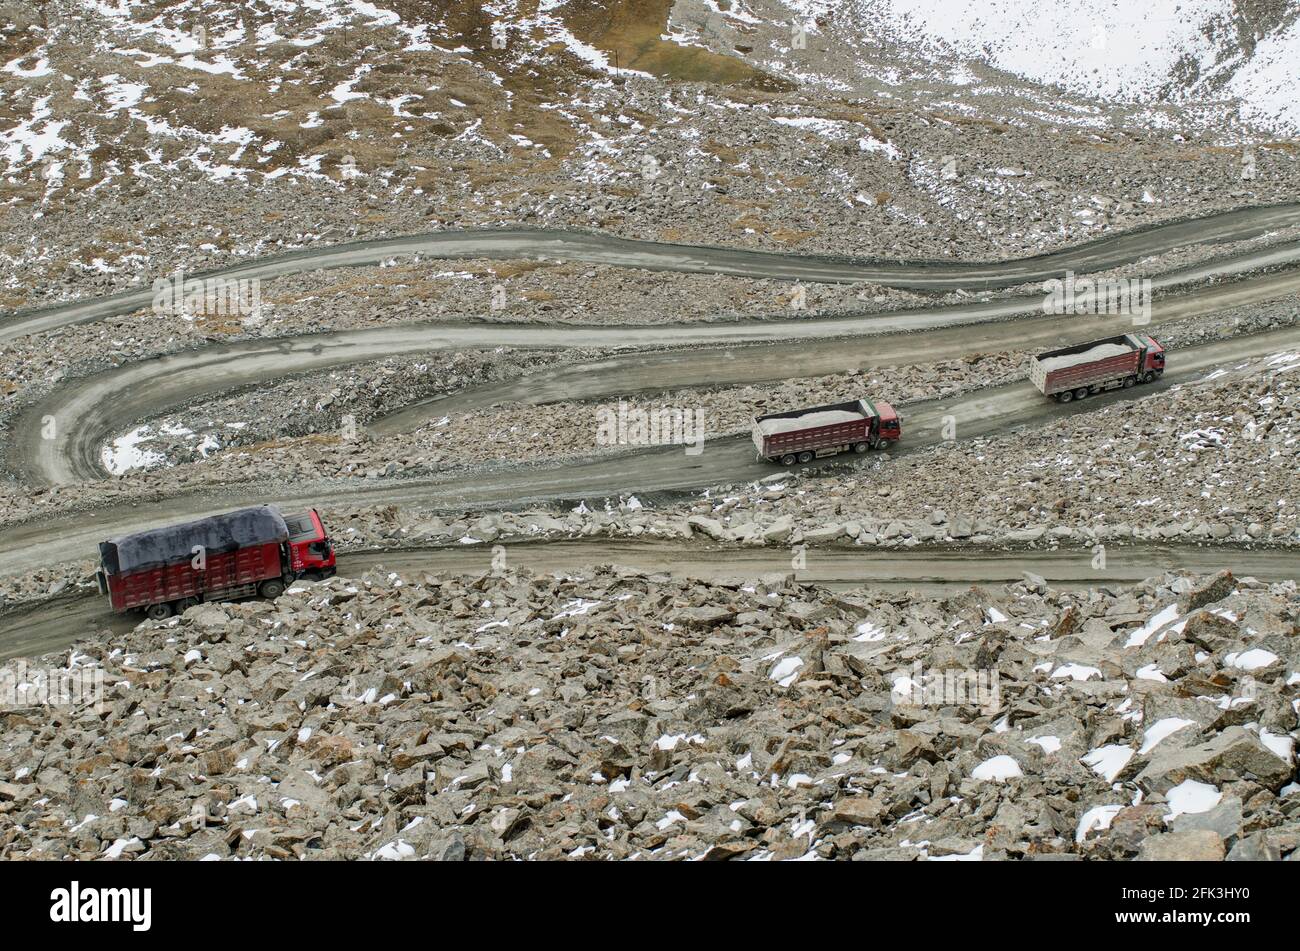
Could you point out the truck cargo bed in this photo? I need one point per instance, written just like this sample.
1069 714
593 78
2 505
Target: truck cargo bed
1084 365
823 430
224 575
223 556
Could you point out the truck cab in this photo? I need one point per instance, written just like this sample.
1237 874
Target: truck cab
1155 357
311 553
890 426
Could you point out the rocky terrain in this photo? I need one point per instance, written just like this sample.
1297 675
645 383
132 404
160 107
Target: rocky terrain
618 715
254 130
548 432
610 712
321 432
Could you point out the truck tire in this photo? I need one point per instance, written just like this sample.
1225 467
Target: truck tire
158 612
788 459
184 604
861 447
883 444
1065 396
1148 376
1130 381
271 588
1081 393
805 456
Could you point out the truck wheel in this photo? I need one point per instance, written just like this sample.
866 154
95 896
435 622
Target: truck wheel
1081 393
883 444
184 604
1129 381
1148 376
271 588
805 456
861 447
1065 396
158 612
788 459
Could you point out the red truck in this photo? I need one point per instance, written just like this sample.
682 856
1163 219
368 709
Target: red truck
1073 373
802 434
252 551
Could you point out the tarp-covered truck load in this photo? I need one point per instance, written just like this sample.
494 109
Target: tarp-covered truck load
250 551
216 534
1075 372
803 434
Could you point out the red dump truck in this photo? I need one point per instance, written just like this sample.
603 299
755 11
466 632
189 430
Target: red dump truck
1073 373
252 551
803 434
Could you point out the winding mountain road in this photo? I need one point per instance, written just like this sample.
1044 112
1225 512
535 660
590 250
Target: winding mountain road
90 411
594 248
647 473
87 412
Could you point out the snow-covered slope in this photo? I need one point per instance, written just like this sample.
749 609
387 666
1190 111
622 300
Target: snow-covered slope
1269 82
1110 49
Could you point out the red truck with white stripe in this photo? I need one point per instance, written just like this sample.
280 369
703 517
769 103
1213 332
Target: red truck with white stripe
802 435
1078 371
252 551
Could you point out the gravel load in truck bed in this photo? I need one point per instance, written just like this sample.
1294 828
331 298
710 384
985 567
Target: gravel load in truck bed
830 417
1099 352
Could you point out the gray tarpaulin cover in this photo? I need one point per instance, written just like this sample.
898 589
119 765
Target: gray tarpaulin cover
175 543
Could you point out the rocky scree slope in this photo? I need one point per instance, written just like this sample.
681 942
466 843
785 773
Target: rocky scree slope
252 130
614 714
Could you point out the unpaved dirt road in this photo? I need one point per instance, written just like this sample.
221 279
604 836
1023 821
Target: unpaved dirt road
648 473
656 372
89 411
516 243
56 624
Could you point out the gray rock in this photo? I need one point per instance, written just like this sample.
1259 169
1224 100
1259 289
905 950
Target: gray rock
1224 820
1209 591
1234 754
1198 845
823 534
709 526
1254 848
779 530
